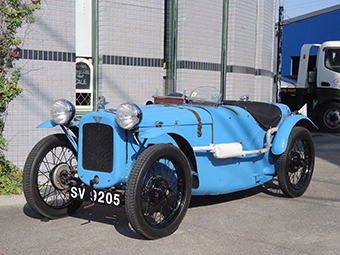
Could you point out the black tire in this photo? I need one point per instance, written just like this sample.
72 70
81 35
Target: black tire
295 166
50 165
158 191
329 118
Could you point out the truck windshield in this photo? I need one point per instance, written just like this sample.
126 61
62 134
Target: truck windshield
332 59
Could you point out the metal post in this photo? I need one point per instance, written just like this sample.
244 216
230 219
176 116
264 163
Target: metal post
279 51
224 48
95 52
170 54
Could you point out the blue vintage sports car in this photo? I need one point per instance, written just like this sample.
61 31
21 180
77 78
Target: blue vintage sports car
153 158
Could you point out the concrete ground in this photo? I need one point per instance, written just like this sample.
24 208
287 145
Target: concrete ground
256 221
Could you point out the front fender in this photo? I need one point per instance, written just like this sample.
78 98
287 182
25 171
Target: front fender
47 124
51 124
279 144
179 139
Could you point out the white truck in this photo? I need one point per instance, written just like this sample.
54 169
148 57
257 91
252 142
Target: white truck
317 89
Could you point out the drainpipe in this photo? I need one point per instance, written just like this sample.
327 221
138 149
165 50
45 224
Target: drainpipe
224 48
170 66
279 52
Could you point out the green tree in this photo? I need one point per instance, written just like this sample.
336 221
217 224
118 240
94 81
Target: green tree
13 14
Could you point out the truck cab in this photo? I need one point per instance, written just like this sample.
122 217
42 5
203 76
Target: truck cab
316 91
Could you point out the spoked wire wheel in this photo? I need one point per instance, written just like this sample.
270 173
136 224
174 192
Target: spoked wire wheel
162 194
158 191
50 168
295 166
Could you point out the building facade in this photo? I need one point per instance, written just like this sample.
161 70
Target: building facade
139 48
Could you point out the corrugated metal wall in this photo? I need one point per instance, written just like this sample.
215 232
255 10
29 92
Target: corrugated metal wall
250 49
264 57
131 50
199 44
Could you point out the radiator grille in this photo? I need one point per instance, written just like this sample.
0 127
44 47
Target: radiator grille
97 147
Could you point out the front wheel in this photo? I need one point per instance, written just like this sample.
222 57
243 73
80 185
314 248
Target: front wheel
50 168
158 191
295 166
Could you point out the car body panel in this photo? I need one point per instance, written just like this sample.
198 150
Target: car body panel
220 176
168 113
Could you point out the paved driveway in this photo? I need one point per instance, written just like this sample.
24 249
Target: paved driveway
257 221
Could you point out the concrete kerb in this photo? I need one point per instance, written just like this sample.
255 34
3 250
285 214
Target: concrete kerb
12 200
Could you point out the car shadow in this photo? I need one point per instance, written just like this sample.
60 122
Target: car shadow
110 215
116 216
270 188
89 213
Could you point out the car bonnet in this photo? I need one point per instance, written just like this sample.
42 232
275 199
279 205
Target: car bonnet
170 114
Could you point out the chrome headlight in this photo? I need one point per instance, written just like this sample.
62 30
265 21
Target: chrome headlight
62 112
128 116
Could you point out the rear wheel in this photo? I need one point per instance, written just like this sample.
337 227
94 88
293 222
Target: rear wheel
329 118
295 166
158 191
50 168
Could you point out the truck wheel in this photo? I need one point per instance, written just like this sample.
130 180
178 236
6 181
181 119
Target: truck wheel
295 166
329 118
48 170
158 191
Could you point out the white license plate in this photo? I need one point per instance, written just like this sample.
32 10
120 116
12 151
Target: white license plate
100 196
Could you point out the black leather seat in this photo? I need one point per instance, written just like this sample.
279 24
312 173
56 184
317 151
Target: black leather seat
266 114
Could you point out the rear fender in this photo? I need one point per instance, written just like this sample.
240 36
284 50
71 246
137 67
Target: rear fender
279 144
